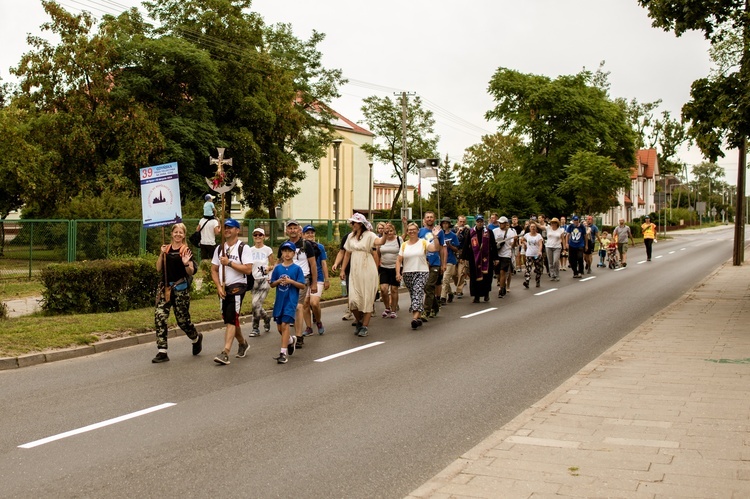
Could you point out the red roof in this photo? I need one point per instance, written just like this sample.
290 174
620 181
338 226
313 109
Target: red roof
645 158
627 200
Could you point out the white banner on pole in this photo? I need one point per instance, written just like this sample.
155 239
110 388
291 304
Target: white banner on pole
160 195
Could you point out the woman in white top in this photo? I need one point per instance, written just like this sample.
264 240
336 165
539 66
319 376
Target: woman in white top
387 270
263 261
361 252
412 266
533 244
554 247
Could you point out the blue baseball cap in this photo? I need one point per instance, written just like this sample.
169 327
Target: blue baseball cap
574 218
208 197
288 245
231 222
479 217
308 227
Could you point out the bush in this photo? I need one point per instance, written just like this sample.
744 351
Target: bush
100 286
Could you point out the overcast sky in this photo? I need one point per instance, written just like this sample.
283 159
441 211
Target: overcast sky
446 52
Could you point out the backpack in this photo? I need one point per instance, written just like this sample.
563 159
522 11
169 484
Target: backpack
250 277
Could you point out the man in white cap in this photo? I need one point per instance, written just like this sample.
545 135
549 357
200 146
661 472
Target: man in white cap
505 240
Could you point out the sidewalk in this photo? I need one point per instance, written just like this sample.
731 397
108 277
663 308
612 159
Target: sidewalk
665 412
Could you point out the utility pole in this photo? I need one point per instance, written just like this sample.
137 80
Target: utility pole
404 159
738 253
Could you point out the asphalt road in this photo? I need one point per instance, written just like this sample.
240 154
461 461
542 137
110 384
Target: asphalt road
374 423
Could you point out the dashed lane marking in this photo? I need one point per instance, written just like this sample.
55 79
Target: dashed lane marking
588 278
479 313
347 352
659 256
545 292
95 426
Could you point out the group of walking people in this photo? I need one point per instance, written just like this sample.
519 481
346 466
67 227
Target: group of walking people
433 261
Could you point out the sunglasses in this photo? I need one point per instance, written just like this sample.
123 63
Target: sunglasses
257 235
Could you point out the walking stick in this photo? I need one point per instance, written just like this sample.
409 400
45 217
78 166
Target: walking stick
163 256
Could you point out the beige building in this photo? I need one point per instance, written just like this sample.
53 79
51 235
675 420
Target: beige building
640 198
316 198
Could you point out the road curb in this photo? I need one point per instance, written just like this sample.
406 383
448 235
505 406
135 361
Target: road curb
107 345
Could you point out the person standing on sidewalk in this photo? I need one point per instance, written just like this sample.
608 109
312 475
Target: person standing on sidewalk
289 280
451 247
230 265
436 259
178 259
312 302
649 235
622 233
261 256
462 269
576 242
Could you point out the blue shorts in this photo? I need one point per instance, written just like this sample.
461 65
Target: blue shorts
284 319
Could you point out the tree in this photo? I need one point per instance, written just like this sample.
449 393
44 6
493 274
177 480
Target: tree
491 176
384 118
557 119
719 109
270 107
593 181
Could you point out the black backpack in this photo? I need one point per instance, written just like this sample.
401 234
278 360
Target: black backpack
250 277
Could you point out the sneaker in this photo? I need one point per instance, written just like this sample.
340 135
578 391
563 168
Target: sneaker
222 358
198 345
476 300
526 284
300 342
291 346
160 357
242 350
386 313
459 295
362 332
503 291
347 317
267 326
281 359
321 329
415 324
588 270
443 301
431 315
538 285
393 315
255 332
450 297
486 297
307 332
423 318
624 264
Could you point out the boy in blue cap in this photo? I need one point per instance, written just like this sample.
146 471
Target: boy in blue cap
288 279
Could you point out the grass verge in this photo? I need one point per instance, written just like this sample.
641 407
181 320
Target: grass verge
36 333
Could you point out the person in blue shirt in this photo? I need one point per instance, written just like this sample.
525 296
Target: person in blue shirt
437 263
312 302
452 247
288 279
577 244
209 209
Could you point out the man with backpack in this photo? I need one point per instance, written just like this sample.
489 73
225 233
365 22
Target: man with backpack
229 269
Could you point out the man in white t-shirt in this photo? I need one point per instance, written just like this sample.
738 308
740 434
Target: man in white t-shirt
229 267
209 230
505 240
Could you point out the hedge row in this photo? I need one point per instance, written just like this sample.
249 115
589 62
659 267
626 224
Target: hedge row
96 286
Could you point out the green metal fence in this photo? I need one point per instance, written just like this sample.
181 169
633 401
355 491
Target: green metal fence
27 246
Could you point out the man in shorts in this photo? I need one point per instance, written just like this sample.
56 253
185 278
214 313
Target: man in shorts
505 240
622 233
312 302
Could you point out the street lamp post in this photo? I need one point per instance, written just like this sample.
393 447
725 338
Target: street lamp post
336 197
369 202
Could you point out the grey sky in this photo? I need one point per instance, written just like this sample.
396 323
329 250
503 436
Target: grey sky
446 52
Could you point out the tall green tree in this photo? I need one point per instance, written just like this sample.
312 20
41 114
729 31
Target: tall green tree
270 104
384 118
558 118
593 181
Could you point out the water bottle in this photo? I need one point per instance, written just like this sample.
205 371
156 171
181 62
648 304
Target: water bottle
343 288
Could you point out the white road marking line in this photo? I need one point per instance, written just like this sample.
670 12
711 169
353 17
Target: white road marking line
479 313
588 278
683 249
671 252
95 426
642 261
620 268
347 352
659 256
545 292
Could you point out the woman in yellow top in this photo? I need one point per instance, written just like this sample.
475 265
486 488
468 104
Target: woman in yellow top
649 235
